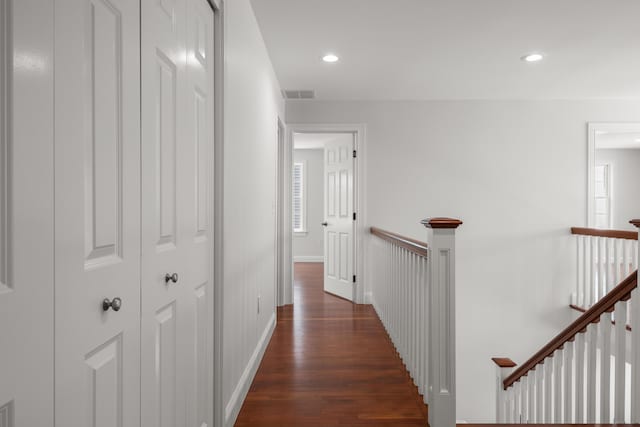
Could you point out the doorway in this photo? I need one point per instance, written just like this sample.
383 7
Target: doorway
326 189
614 167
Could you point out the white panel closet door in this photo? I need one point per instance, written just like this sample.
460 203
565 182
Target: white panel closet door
97 209
26 213
338 209
177 135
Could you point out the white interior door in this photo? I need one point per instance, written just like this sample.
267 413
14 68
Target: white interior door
338 214
26 213
177 134
97 210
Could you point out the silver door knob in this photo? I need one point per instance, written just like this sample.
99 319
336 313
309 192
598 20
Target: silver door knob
324 224
114 304
171 278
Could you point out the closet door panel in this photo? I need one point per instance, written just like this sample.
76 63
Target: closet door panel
164 311
177 138
97 191
26 213
200 104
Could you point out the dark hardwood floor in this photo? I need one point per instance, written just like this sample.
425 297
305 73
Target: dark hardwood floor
330 363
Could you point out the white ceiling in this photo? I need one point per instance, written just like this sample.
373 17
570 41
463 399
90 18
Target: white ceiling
455 49
628 140
315 141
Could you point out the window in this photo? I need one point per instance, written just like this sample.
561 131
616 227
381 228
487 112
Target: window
299 198
602 192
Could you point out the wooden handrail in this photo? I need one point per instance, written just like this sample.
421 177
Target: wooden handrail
412 245
598 232
607 303
584 310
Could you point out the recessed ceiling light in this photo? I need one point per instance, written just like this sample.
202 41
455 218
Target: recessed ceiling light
330 57
533 57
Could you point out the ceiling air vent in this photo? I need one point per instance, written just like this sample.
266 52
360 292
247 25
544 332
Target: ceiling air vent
299 94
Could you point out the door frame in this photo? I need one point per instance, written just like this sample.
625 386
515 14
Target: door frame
282 270
593 130
217 215
359 202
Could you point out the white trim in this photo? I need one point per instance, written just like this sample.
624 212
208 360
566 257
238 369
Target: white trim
285 168
240 393
359 131
281 225
308 258
593 130
218 214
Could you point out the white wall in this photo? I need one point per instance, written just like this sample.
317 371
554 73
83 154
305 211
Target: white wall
252 105
515 172
310 246
625 169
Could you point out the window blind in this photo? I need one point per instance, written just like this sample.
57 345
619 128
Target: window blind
298 197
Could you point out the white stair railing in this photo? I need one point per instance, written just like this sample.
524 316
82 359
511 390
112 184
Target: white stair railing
413 293
604 258
587 374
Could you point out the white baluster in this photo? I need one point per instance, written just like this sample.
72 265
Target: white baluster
531 410
426 273
396 281
592 346
539 393
524 399
416 317
507 405
557 386
421 328
627 257
401 307
579 376
635 356
404 308
602 283
548 389
616 257
620 365
592 274
634 312
568 382
412 322
579 297
609 277
515 416
605 368
420 322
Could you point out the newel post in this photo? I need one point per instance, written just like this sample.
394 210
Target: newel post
442 315
504 367
635 349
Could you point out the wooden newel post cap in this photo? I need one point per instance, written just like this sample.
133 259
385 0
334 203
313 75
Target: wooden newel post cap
504 362
635 222
441 223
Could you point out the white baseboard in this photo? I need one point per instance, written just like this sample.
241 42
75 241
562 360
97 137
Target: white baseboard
305 258
240 393
368 298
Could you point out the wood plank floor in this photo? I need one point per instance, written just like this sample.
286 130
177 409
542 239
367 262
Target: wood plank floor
330 363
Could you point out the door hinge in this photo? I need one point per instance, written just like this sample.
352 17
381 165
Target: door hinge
354 278
354 154
354 216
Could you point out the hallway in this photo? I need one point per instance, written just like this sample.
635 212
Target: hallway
330 363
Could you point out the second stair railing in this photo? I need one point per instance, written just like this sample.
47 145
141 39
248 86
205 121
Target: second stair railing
413 292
